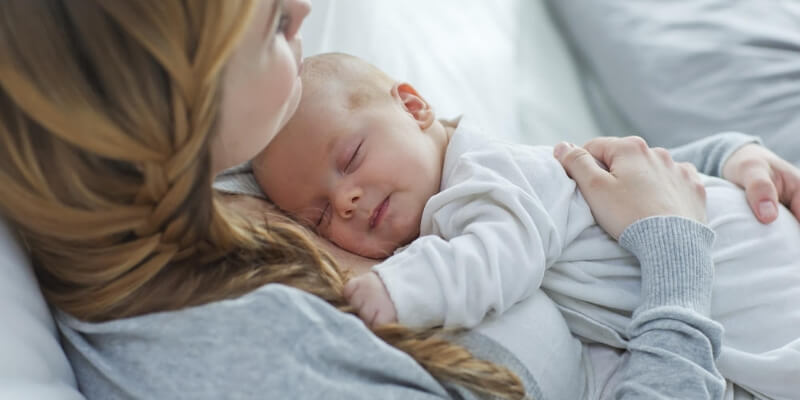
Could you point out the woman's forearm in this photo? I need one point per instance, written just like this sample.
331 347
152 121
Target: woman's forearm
709 154
673 344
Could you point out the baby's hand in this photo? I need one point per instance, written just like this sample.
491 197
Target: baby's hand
371 300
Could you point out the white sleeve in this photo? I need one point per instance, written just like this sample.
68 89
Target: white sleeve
492 245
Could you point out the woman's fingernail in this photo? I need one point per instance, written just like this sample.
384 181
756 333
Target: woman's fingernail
767 209
559 150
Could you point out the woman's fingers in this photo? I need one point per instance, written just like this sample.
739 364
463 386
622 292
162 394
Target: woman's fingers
766 179
580 165
639 182
761 194
609 149
788 178
690 174
794 205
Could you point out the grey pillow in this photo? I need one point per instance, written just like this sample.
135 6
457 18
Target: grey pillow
676 71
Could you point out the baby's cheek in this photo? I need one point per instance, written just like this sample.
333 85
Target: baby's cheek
384 248
407 231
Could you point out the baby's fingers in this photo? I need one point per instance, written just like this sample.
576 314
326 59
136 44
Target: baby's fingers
762 196
385 315
350 287
355 293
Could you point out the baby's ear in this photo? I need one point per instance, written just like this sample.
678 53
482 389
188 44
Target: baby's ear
414 104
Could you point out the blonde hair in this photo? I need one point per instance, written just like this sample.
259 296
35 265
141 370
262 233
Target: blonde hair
106 111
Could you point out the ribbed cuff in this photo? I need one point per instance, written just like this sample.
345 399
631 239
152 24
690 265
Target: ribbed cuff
675 257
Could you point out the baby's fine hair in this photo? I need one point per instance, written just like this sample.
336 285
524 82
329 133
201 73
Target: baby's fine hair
363 82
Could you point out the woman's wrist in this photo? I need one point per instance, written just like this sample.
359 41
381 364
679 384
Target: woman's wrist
675 257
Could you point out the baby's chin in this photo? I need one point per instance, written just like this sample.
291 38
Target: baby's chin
384 249
378 252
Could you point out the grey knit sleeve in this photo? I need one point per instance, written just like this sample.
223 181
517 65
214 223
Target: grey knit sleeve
710 154
673 343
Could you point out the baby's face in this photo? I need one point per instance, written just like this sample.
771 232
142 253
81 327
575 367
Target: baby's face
359 178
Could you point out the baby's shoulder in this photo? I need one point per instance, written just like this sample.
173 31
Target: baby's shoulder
511 161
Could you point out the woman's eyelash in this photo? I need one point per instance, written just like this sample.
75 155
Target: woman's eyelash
284 22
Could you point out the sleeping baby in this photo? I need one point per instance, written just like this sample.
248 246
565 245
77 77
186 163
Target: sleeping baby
469 225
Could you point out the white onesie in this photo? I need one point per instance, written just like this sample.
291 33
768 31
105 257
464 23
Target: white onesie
508 220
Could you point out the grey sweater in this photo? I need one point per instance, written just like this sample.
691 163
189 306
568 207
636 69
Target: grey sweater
280 343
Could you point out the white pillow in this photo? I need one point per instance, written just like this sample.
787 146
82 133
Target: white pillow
549 96
503 63
32 363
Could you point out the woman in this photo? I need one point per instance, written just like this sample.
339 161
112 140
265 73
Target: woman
116 116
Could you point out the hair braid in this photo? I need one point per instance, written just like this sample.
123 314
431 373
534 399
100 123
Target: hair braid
106 110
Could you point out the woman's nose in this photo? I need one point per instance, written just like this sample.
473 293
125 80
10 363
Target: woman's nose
346 201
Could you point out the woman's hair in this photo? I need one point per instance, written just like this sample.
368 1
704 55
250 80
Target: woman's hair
106 111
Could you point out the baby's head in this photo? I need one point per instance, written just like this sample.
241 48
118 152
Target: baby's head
358 160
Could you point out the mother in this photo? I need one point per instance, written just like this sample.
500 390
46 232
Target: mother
115 116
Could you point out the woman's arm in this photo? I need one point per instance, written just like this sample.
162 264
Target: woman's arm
673 343
710 153
652 205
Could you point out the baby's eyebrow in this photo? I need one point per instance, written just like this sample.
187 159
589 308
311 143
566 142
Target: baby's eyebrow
331 145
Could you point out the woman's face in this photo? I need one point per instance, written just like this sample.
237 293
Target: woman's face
261 86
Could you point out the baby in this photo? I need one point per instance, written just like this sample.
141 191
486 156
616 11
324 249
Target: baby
366 164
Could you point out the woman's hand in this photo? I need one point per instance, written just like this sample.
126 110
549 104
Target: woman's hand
766 179
640 182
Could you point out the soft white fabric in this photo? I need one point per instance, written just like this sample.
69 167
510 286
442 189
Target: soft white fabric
32 364
545 346
508 213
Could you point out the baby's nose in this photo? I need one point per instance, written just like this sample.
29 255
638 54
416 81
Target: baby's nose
347 201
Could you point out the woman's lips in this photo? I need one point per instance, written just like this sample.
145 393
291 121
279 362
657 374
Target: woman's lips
378 214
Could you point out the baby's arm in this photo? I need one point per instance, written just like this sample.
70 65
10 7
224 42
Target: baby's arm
493 242
456 282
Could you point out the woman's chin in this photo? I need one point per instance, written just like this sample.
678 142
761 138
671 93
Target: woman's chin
292 102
